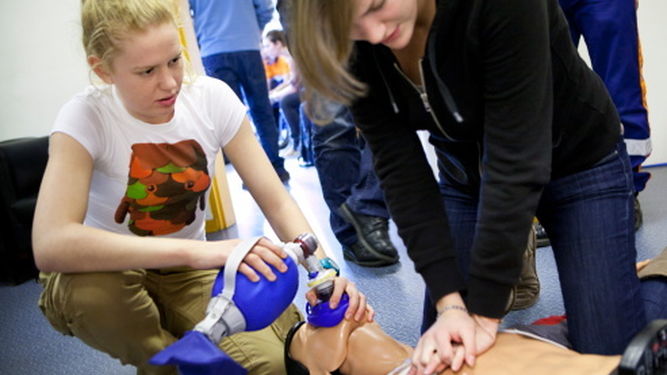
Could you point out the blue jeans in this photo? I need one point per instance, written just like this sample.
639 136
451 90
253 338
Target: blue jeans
345 168
243 71
590 222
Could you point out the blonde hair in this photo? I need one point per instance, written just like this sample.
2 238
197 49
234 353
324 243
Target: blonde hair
106 22
320 43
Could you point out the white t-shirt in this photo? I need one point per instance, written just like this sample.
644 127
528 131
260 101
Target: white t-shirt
152 179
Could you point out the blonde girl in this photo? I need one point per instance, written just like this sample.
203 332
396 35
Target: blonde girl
119 224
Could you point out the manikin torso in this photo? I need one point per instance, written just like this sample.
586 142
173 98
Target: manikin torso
362 348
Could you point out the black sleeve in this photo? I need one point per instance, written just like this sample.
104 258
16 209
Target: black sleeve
409 186
518 101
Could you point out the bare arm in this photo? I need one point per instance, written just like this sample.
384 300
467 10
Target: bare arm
282 212
258 174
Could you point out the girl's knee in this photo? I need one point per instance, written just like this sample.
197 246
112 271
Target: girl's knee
90 297
100 292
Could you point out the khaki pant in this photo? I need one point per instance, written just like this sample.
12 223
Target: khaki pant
134 314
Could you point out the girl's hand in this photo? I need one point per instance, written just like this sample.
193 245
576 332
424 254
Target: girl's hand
485 332
263 254
449 341
256 262
358 307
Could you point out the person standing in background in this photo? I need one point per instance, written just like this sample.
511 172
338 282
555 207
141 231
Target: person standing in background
229 37
359 216
611 34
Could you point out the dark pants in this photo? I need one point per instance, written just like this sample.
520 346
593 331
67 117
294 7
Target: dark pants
590 220
289 106
345 169
609 28
243 71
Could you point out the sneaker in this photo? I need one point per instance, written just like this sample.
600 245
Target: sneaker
639 217
541 234
373 245
288 152
303 163
524 294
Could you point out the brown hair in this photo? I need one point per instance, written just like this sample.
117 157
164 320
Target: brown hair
106 22
277 36
320 43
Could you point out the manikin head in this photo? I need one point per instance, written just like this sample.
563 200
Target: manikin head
134 45
351 348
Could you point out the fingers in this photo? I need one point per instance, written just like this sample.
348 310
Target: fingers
353 303
371 312
357 304
441 367
450 342
249 272
468 339
435 365
416 357
459 355
263 255
426 357
271 254
361 308
311 297
278 250
258 264
443 345
340 284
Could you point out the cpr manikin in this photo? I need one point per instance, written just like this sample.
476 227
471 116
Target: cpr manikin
362 348
329 344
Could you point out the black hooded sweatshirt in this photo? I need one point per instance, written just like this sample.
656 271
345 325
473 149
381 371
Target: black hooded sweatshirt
510 107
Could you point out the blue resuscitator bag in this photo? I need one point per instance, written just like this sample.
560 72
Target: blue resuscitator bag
237 305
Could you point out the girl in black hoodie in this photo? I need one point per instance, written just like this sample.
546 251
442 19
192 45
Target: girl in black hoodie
521 127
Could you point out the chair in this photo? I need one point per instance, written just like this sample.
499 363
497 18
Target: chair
22 164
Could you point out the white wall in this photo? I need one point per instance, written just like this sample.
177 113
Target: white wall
653 35
43 65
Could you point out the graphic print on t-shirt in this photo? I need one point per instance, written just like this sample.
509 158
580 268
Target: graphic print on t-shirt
165 183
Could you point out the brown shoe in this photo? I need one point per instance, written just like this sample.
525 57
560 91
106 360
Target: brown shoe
656 267
524 294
